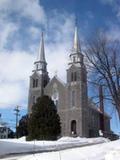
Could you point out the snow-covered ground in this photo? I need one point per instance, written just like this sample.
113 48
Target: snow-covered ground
103 151
8 146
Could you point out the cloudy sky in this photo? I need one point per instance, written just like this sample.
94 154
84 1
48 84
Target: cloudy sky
21 23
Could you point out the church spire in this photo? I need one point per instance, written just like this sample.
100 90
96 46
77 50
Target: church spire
76 56
76 45
42 50
40 64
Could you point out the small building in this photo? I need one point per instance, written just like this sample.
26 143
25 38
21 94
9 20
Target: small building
4 130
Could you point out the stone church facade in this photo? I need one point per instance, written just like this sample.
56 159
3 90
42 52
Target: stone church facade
79 116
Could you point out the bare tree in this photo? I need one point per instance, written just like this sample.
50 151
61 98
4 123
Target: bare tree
103 55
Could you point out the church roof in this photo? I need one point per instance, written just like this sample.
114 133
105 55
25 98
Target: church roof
55 78
93 106
62 82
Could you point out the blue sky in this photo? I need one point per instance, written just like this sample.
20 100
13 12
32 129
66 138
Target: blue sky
21 23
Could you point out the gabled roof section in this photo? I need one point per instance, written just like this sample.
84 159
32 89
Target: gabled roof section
57 80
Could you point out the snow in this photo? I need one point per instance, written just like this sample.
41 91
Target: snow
113 155
21 146
105 150
79 139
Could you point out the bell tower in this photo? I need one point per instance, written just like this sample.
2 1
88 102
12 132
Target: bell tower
76 72
39 79
77 89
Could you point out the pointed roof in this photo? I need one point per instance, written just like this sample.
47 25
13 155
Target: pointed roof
57 80
42 50
76 45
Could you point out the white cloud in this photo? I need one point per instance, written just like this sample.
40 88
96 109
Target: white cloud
15 69
57 60
13 16
59 50
35 32
16 65
11 94
33 10
25 8
6 29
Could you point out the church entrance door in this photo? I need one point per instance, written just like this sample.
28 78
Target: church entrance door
73 127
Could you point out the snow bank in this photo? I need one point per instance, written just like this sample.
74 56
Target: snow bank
8 146
22 138
79 139
71 139
104 151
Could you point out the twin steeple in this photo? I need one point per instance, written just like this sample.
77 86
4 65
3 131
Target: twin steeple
76 56
76 45
42 50
40 64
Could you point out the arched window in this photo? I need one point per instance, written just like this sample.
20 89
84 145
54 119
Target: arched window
35 83
55 97
73 127
73 76
73 98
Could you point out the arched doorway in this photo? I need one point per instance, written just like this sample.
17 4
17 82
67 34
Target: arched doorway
73 127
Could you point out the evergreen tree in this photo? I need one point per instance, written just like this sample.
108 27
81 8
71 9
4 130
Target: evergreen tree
11 134
22 129
44 122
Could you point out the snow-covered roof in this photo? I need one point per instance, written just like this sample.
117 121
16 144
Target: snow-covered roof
93 106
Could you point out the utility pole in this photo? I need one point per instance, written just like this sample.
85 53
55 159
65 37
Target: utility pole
101 98
17 115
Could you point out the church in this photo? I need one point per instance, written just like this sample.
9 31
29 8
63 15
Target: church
78 114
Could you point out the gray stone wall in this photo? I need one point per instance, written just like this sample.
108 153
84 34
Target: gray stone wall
60 88
34 92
